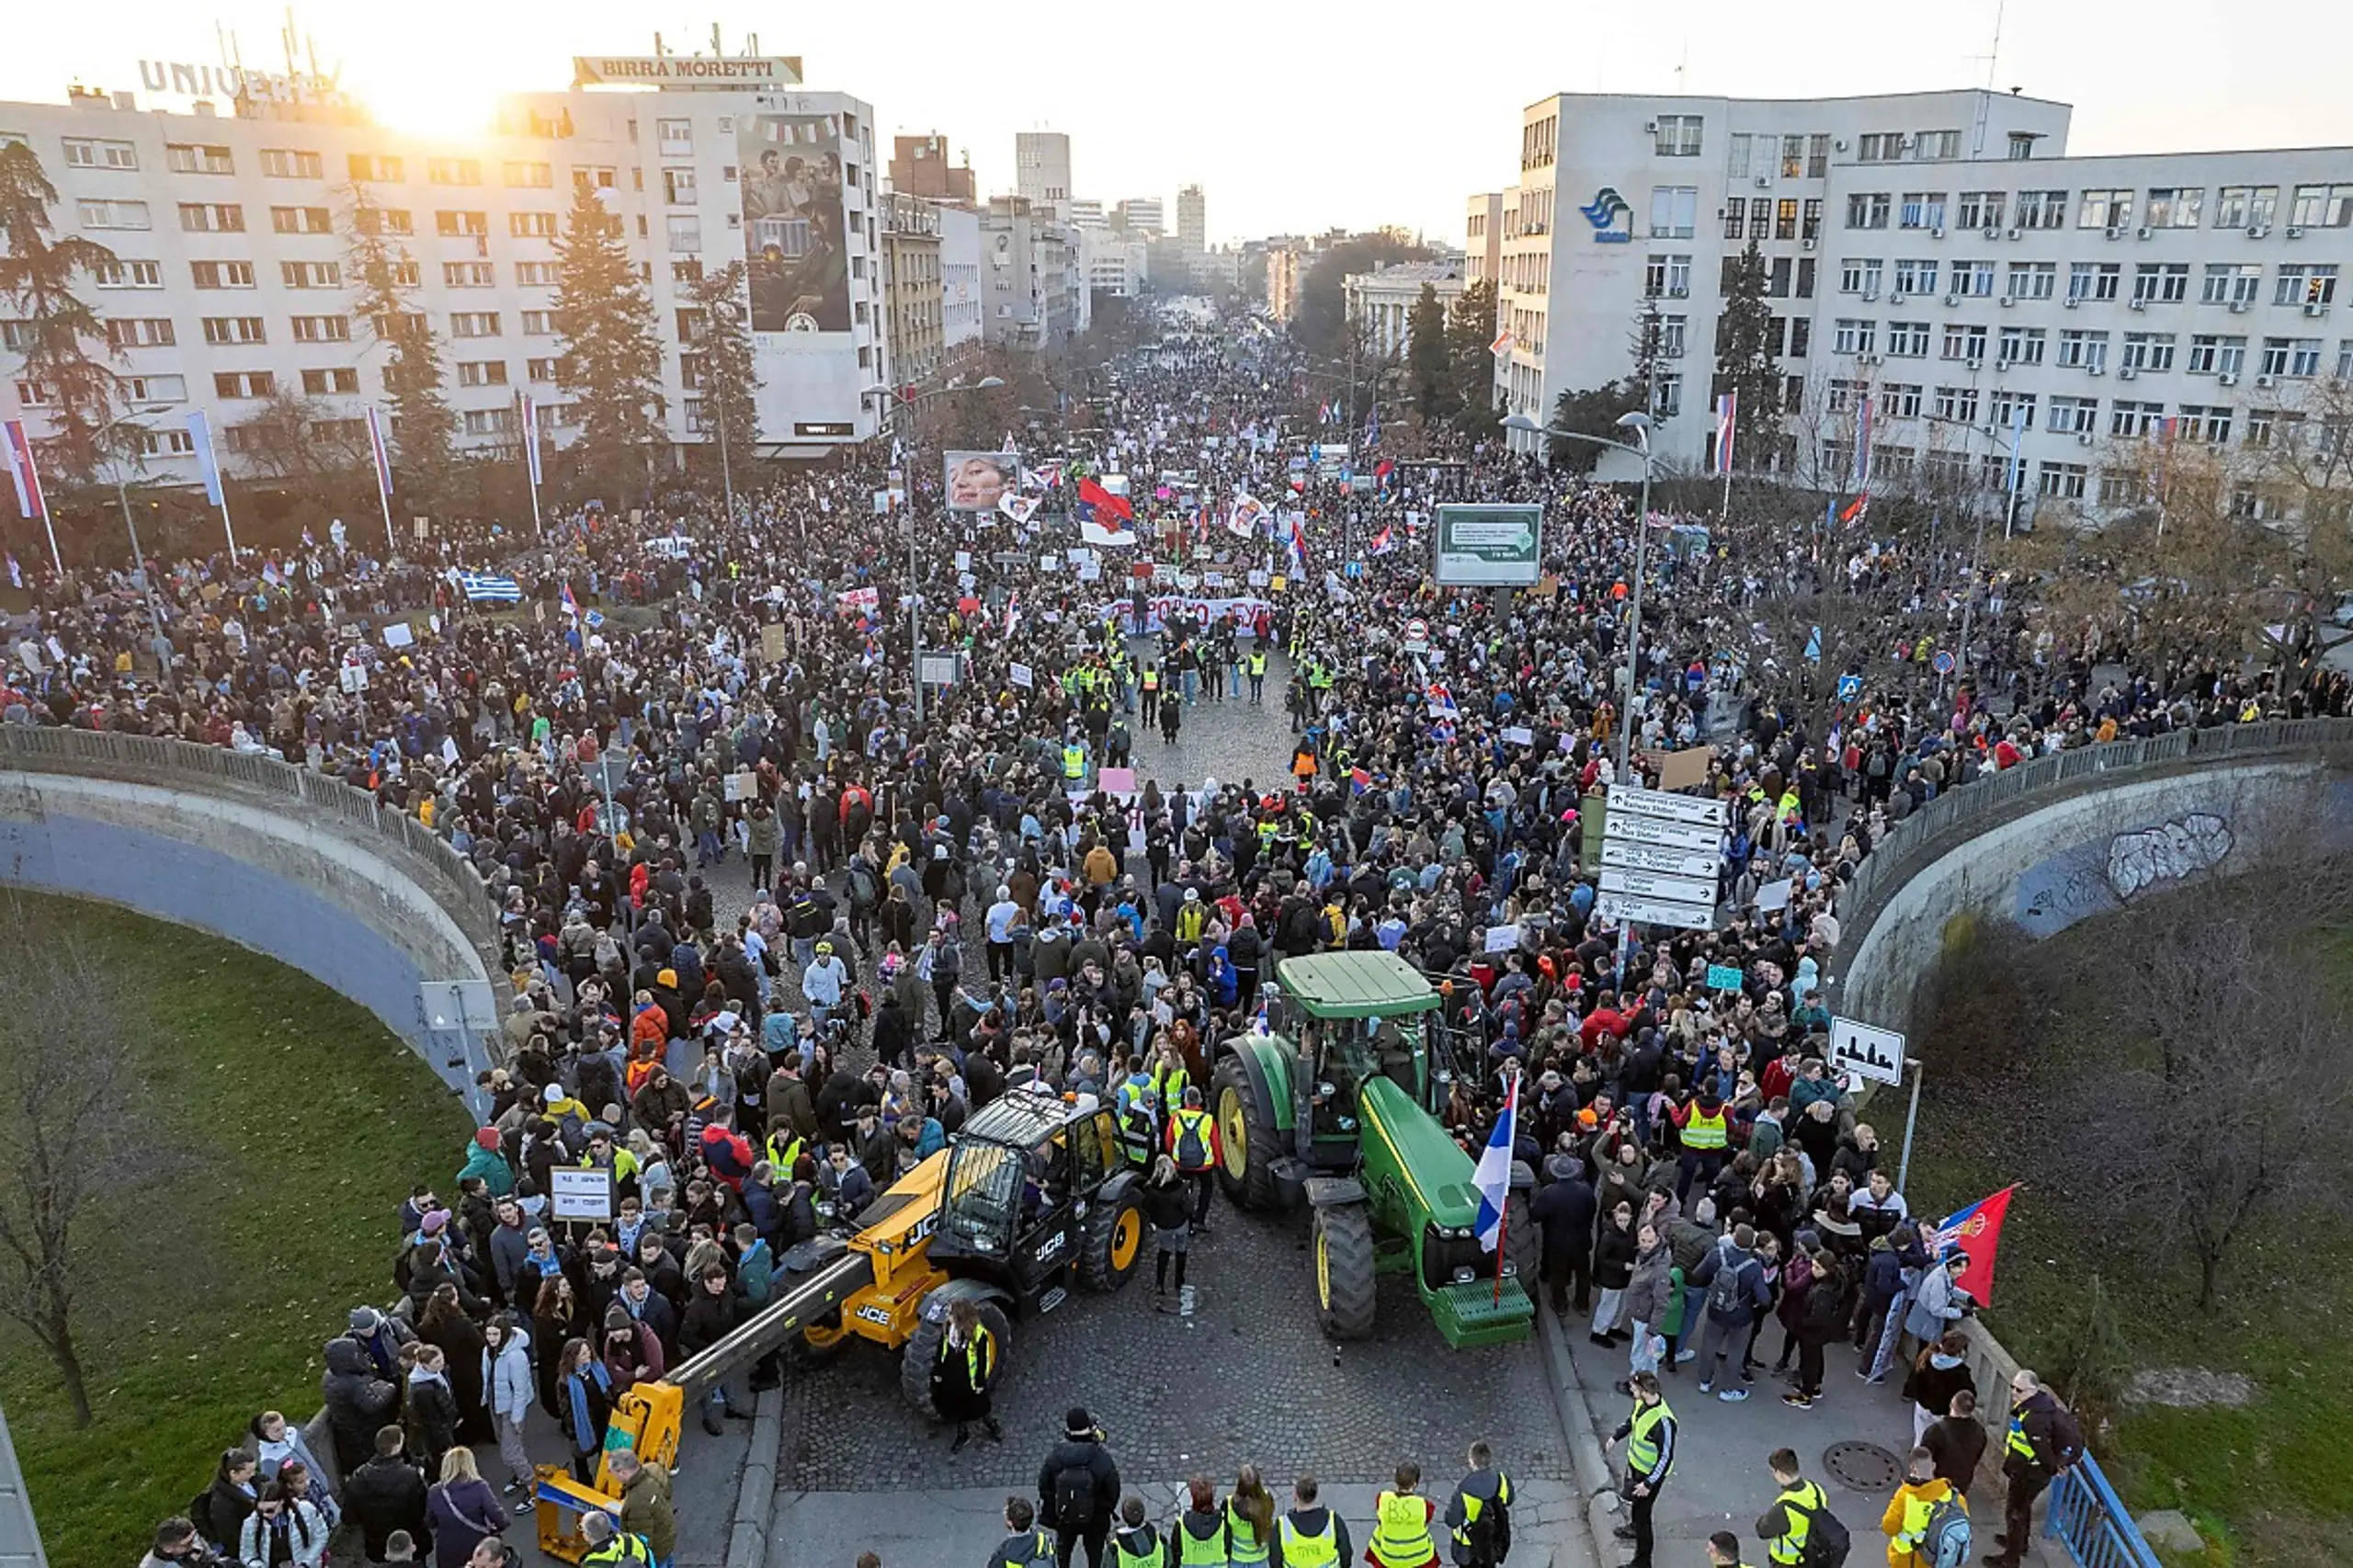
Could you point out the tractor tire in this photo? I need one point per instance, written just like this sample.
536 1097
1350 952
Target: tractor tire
1113 1243
1245 1126
923 1349
1344 1270
1522 1243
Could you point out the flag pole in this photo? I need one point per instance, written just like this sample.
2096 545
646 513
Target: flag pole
1503 1214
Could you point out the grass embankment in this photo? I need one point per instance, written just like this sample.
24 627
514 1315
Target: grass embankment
2268 1482
209 1298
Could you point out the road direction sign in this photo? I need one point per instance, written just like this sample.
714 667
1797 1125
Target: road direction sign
1654 912
1873 1053
1666 835
1664 861
1649 884
1626 799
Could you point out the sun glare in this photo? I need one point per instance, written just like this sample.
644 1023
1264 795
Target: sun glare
431 103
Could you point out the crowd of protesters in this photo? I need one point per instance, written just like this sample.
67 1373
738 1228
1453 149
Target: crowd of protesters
773 936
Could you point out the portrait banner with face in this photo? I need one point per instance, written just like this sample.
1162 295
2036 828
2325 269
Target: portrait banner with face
978 482
794 223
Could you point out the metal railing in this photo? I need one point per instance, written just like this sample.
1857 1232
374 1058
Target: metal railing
2087 1518
446 876
1951 815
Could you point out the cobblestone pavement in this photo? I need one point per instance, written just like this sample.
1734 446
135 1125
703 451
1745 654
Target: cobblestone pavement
1249 1379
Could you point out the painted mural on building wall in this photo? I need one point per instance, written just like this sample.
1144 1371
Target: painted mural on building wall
2103 874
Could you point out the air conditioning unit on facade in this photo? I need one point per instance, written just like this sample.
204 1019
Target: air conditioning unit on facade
2258 230
2017 233
2266 381
2008 300
2316 310
2238 307
2126 373
2143 231
2140 304
2114 233
2295 232
1994 234
1809 244
1952 301
2083 438
2094 370
1936 231
2227 379
2075 301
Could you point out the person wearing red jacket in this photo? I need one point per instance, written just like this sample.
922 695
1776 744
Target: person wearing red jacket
725 1152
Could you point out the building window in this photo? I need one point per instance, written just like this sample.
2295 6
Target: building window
1981 209
473 323
482 373
2074 416
536 274
1674 332
594 176
311 274
2305 285
2161 283
301 221
2210 425
2021 346
685 232
94 152
532 225
2232 283
1785 219
540 371
319 384
2205 353
1916 277
286 163
2021 145
122 332
1973 280
1860 275
678 187
1924 209
2061 481
1736 215
223 274
539 324
1674 210
2082 350
453 171
1736 156
459 225
166 443
370 167
2246 206
1879 147
2042 209
674 136
2105 209
1907 340
212 218
2174 207
1851 335
2033 280
1677 136
529 176
1957 405
130 274
469 275
321 329
1964 342
1793 157
195 158
2094 279
2147 351
1868 209
233 329
383 220
2011 410
1900 400
243 384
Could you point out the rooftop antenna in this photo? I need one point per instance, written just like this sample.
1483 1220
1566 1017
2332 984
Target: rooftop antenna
1993 58
717 49
1681 66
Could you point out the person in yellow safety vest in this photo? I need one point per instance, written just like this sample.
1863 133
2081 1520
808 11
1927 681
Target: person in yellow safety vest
1193 1145
1802 1510
1706 1135
1915 1503
1192 916
1169 1077
1024 1545
1149 684
783 1152
1135 1543
1791 810
1202 1537
608 1545
1312 1536
1257 676
1479 1513
1401 1525
963 1377
1250 1521
1649 1434
1073 761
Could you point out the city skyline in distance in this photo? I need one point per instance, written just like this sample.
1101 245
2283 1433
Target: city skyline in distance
1290 124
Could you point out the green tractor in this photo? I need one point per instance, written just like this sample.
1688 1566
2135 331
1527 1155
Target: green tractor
1335 1107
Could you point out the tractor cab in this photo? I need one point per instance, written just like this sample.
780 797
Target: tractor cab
1338 1056
1034 1186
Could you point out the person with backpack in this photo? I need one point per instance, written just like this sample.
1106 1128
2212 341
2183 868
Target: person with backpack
1926 1522
1078 1489
1798 1530
1736 1292
1024 1545
2043 1441
1821 1318
1479 1513
1193 1145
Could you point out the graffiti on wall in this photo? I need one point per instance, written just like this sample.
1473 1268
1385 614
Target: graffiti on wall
2101 874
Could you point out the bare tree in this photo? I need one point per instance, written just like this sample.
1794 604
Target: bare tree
2221 1108
72 1140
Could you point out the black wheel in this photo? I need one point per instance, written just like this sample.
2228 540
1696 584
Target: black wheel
1344 1261
1113 1243
923 1349
1245 1127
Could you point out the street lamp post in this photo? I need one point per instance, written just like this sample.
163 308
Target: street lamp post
914 606
163 648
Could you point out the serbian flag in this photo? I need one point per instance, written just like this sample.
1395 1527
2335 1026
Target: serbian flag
1358 780
1382 543
1107 506
1856 508
1299 546
1977 1230
1012 611
570 604
1727 418
16 448
1381 470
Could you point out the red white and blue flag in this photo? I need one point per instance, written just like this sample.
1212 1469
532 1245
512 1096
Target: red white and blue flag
18 449
1383 542
1298 547
571 605
1101 504
1727 417
1976 1230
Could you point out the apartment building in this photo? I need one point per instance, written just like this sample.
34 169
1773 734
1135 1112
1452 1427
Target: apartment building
913 302
231 233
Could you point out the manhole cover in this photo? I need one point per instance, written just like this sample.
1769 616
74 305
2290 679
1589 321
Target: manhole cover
1862 1467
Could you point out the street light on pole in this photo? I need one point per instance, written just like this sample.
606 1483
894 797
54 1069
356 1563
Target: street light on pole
914 608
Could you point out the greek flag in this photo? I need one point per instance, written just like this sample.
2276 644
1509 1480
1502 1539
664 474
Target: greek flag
482 586
1493 1176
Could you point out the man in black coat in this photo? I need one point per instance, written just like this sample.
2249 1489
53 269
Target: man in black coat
387 1495
710 1317
357 1403
1078 1488
1565 1208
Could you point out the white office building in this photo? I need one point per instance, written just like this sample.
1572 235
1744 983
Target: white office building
231 223
1382 301
1940 257
1041 171
960 283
